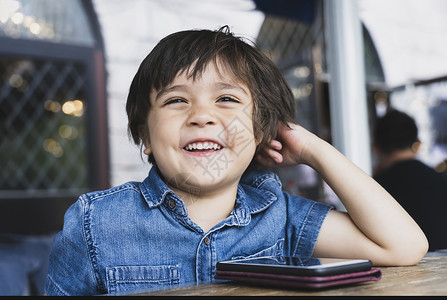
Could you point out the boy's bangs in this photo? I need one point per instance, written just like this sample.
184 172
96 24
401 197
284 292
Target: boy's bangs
193 53
224 67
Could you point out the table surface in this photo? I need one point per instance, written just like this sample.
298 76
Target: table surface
428 277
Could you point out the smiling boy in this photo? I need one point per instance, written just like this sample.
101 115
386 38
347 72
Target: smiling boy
209 110
193 123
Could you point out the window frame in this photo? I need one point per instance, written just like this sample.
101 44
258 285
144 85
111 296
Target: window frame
45 209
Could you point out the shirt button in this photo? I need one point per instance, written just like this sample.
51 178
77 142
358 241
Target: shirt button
207 241
171 203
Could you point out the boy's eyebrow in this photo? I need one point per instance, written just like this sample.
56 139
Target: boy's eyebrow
174 88
230 86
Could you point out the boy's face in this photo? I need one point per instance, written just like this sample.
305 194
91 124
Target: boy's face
201 131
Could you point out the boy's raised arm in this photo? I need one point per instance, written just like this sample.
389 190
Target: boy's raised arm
375 226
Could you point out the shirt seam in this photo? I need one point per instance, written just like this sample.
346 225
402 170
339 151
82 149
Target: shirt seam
91 248
97 195
59 289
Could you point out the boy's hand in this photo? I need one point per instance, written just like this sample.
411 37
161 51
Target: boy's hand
291 147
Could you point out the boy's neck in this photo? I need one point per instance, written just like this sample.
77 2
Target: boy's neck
208 209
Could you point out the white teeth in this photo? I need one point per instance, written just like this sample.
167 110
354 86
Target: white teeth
203 146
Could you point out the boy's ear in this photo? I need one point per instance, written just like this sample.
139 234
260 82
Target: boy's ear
147 150
145 139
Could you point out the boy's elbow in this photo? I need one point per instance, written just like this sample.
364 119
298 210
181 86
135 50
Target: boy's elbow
421 251
413 253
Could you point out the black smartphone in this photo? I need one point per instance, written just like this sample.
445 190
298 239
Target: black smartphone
301 266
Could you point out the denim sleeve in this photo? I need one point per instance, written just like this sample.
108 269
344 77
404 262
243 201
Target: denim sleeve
70 269
306 217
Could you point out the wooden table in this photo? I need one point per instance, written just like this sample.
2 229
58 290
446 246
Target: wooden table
429 277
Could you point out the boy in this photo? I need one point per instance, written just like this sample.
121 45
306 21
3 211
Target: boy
203 104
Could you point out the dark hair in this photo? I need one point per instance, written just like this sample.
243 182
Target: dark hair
192 51
395 131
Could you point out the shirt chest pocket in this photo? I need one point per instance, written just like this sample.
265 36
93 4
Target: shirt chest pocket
132 278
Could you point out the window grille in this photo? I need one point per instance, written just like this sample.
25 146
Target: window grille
42 109
53 114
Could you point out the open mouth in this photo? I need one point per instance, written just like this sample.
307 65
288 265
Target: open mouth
202 147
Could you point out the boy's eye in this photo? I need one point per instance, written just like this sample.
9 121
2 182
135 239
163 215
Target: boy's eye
174 100
228 99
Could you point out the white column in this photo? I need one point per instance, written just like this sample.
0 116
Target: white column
347 87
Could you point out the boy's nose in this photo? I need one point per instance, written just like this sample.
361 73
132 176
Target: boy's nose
201 115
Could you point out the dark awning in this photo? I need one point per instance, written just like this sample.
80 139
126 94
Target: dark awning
301 10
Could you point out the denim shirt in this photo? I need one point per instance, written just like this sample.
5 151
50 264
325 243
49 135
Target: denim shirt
138 236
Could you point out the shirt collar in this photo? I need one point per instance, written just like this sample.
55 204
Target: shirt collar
257 190
154 189
262 187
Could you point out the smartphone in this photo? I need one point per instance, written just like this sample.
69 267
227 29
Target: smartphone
301 266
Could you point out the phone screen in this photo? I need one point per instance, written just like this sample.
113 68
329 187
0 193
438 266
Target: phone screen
296 265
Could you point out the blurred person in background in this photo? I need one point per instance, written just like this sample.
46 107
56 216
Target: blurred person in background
418 188
438 153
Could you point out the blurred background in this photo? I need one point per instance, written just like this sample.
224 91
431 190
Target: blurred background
66 67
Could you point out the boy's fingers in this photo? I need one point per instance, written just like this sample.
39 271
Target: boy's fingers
276 145
269 157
